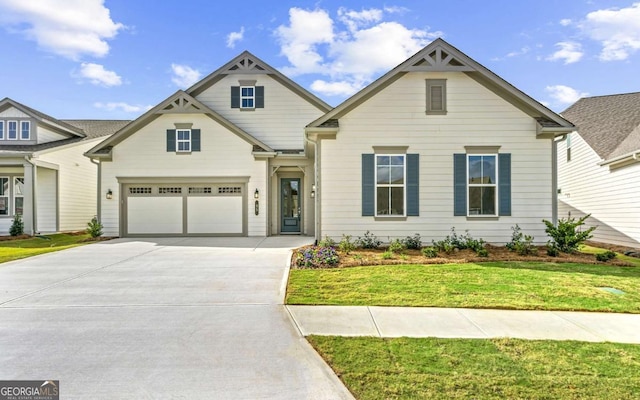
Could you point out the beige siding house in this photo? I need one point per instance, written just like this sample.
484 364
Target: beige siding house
227 156
599 167
44 176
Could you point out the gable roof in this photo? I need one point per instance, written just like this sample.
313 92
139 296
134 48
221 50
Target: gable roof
442 56
41 117
609 124
247 63
179 102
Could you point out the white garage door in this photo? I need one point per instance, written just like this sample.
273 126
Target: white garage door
175 210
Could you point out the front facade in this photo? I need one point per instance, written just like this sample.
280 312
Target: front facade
436 143
599 167
44 176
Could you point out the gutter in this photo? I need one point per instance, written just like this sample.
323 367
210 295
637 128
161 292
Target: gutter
633 156
99 186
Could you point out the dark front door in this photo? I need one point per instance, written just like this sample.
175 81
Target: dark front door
290 205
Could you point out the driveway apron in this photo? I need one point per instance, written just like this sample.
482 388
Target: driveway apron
170 318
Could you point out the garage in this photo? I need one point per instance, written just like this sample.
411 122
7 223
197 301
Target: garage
184 209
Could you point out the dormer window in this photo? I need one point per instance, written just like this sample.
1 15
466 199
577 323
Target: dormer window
247 97
12 130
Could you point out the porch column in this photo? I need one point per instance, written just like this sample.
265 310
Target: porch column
28 211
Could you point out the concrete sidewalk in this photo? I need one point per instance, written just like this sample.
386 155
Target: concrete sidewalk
465 323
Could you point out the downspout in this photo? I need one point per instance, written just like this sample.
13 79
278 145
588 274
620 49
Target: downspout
316 178
554 178
99 204
34 212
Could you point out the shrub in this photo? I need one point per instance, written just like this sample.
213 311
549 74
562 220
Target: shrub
346 245
17 226
397 246
387 255
521 243
566 235
316 257
369 241
327 242
552 250
482 252
413 242
430 252
94 227
453 241
606 256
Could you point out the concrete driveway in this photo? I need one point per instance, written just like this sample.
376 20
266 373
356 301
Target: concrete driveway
171 318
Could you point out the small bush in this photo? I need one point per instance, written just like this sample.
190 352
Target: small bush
566 235
316 257
397 246
430 252
327 242
17 226
552 250
454 241
413 242
94 227
387 255
346 245
606 256
482 252
521 243
368 241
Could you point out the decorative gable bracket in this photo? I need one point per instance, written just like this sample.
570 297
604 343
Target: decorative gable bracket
181 105
246 65
439 60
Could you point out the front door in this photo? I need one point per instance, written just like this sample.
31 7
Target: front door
290 205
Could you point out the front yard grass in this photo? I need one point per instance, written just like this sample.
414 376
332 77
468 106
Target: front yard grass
502 284
16 249
430 368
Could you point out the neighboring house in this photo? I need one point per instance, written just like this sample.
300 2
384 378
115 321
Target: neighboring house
599 167
438 142
43 174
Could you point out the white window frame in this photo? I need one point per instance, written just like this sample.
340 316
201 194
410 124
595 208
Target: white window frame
9 131
14 194
391 185
187 141
251 98
7 195
2 126
28 123
494 185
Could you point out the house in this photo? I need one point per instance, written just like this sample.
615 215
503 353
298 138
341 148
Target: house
43 174
437 142
599 167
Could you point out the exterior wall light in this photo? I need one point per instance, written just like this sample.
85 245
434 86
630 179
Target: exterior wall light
109 194
256 194
313 191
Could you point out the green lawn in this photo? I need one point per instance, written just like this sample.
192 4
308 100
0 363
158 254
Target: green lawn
374 368
16 249
506 285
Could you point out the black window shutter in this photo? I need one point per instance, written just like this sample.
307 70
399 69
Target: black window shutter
413 183
459 184
504 184
235 96
259 96
171 140
195 140
368 185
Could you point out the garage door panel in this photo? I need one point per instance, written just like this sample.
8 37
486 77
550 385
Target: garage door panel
154 215
215 215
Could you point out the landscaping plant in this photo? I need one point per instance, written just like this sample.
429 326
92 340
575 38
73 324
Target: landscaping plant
430 252
17 226
94 227
454 241
521 243
316 257
369 241
606 256
327 242
413 242
566 236
397 246
346 245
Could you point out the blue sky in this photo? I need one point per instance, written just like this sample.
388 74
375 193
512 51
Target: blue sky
114 59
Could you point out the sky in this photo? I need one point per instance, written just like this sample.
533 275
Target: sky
115 59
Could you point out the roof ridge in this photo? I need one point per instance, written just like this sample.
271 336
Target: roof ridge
610 95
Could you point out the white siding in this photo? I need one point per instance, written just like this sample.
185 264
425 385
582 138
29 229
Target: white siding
280 124
396 117
144 154
610 196
46 200
78 180
12 112
45 135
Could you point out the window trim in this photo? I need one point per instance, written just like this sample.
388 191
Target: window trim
390 185
431 83
15 196
252 97
9 132
494 185
22 130
568 147
9 206
178 140
2 126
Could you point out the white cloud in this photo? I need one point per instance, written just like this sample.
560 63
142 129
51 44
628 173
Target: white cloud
128 108
70 28
351 49
565 22
234 37
569 52
617 30
564 95
184 76
97 75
